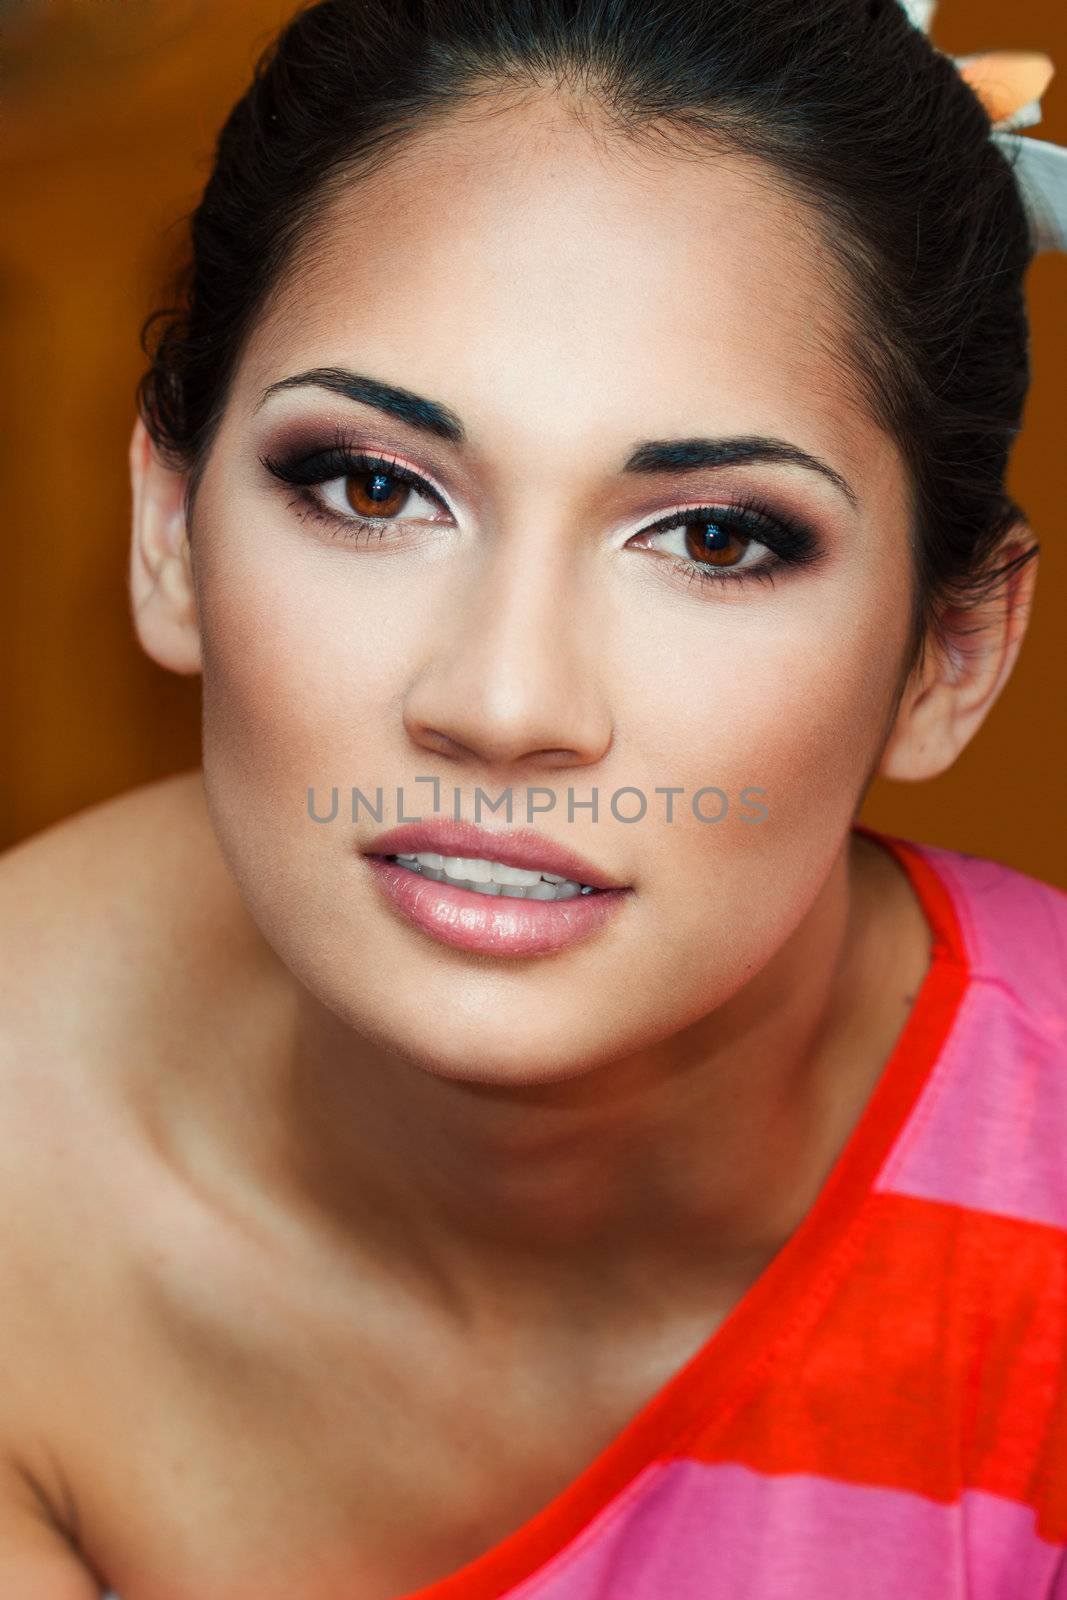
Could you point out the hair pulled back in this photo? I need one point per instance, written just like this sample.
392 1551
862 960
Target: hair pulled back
859 115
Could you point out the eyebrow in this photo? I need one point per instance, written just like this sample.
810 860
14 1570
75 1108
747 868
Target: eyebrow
653 455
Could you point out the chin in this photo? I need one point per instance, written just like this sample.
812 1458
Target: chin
465 1046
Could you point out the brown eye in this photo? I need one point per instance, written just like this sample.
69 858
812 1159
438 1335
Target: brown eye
375 493
711 544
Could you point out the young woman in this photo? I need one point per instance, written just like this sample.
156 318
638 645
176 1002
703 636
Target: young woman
502 1127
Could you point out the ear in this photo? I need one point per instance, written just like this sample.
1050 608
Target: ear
162 590
955 689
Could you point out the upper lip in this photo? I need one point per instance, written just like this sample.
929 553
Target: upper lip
521 847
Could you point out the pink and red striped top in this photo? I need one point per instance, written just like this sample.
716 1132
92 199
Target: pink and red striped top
884 1413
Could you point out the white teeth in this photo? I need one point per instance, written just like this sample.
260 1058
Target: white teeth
472 870
493 877
554 891
519 875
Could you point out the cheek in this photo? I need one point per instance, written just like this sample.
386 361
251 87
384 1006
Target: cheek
302 667
787 697
302 684
789 702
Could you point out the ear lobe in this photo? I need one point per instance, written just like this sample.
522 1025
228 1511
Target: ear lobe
161 584
961 680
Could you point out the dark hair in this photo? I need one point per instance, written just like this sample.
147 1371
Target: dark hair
861 117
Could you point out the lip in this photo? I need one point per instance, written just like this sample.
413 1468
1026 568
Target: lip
521 847
491 924
488 924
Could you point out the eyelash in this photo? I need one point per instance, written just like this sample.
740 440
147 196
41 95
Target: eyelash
791 542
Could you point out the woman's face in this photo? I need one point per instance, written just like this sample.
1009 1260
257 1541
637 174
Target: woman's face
568 299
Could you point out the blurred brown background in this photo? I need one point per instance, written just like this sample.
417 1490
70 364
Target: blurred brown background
110 111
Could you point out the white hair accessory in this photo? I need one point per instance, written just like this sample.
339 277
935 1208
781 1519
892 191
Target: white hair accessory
1010 84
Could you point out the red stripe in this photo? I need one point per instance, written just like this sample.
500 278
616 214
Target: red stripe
937 1366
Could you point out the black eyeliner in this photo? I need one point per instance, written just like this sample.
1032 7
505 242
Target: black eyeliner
791 541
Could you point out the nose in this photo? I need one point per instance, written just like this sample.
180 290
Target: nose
515 677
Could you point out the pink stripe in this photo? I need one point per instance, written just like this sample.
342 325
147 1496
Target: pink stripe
696 1531
1014 927
990 1128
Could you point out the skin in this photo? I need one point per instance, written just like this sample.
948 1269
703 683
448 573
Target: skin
465 1202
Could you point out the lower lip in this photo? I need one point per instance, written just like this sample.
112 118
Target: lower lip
493 924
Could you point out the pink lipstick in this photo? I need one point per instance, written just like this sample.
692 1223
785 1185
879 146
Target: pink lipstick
507 893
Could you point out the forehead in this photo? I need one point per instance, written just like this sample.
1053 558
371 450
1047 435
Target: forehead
532 270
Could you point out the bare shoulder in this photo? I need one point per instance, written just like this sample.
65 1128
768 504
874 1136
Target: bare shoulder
105 919
127 952
110 915
102 870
